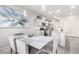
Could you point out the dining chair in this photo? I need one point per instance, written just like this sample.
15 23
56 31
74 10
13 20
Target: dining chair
56 36
12 44
62 39
22 48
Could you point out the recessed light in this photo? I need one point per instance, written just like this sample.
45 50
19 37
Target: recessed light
58 11
50 12
72 7
43 6
43 9
70 14
55 16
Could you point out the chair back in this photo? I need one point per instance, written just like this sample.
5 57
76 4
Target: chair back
22 48
12 43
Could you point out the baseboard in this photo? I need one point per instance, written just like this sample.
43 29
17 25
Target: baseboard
3 49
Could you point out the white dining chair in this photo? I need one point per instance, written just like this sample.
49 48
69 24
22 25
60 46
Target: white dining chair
12 44
56 36
62 39
22 48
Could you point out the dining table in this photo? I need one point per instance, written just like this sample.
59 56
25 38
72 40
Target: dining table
39 42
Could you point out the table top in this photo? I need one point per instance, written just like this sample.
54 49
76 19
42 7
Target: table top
37 41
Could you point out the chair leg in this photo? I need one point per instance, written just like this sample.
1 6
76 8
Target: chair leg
16 53
56 51
11 50
29 48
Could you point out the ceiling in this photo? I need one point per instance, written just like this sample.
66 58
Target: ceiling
53 10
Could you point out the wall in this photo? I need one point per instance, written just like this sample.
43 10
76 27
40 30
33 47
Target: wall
71 25
6 32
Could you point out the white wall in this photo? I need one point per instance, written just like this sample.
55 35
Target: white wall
71 25
6 32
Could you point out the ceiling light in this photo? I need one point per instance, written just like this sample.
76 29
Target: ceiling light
70 14
50 12
72 7
43 6
54 16
58 11
43 9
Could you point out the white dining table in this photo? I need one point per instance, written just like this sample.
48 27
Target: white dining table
39 42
